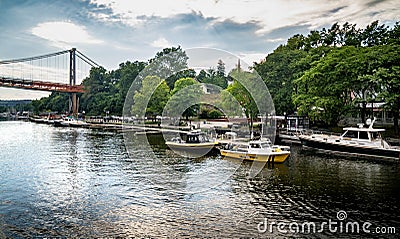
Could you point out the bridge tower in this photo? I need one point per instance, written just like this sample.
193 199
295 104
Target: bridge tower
73 98
33 73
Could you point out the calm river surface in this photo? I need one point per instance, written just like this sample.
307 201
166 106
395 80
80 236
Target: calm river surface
69 182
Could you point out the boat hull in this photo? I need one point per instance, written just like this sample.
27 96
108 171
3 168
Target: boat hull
289 139
352 150
57 123
192 149
78 124
267 158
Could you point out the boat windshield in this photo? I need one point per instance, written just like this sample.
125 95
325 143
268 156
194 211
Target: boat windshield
260 145
356 135
203 138
192 139
255 145
363 135
376 135
265 145
196 138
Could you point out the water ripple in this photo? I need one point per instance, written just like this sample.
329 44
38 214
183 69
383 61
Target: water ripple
82 183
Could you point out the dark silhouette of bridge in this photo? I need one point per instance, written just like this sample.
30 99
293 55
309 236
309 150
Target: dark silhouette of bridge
55 72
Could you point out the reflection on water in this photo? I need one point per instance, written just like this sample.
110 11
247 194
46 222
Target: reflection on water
81 183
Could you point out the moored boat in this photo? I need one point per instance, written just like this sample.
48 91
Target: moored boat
195 143
70 122
358 142
256 150
78 123
292 127
290 137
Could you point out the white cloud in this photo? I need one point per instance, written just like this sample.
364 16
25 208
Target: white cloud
161 43
276 40
63 34
271 14
249 58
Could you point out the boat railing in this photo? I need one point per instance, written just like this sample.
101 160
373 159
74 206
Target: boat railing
324 132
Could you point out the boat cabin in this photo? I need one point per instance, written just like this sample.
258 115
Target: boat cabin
362 134
196 137
260 144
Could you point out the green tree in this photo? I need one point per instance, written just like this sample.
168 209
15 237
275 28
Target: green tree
201 76
185 98
159 99
214 114
221 68
394 34
100 91
374 34
323 90
56 101
247 92
124 77
388 77
214 78
186 73
278 71
167 63
152 97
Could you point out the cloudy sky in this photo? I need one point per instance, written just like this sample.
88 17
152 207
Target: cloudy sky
111 32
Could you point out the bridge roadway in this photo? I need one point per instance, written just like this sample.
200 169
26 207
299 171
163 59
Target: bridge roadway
40 85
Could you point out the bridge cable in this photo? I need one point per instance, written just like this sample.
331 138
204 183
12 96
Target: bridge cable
86 59
33 58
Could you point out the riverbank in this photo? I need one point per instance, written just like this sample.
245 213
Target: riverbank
219 127
108 124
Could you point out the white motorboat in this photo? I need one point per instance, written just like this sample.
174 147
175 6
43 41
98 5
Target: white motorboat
256 150
355 141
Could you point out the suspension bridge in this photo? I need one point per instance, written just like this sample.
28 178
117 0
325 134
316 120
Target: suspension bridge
62 71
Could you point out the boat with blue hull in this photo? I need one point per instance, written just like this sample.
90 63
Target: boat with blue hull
358 142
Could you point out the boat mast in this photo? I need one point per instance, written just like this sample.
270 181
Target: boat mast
262 126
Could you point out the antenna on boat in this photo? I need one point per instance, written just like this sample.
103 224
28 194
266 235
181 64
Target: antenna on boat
262 127
371 123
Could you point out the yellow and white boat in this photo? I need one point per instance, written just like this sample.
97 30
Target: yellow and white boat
256 150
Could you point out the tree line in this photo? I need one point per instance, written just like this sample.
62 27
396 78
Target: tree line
106 90
336 72
326 75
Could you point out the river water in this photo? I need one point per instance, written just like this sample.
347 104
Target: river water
69 182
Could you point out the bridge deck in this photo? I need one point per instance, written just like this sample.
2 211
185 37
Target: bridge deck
40 85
